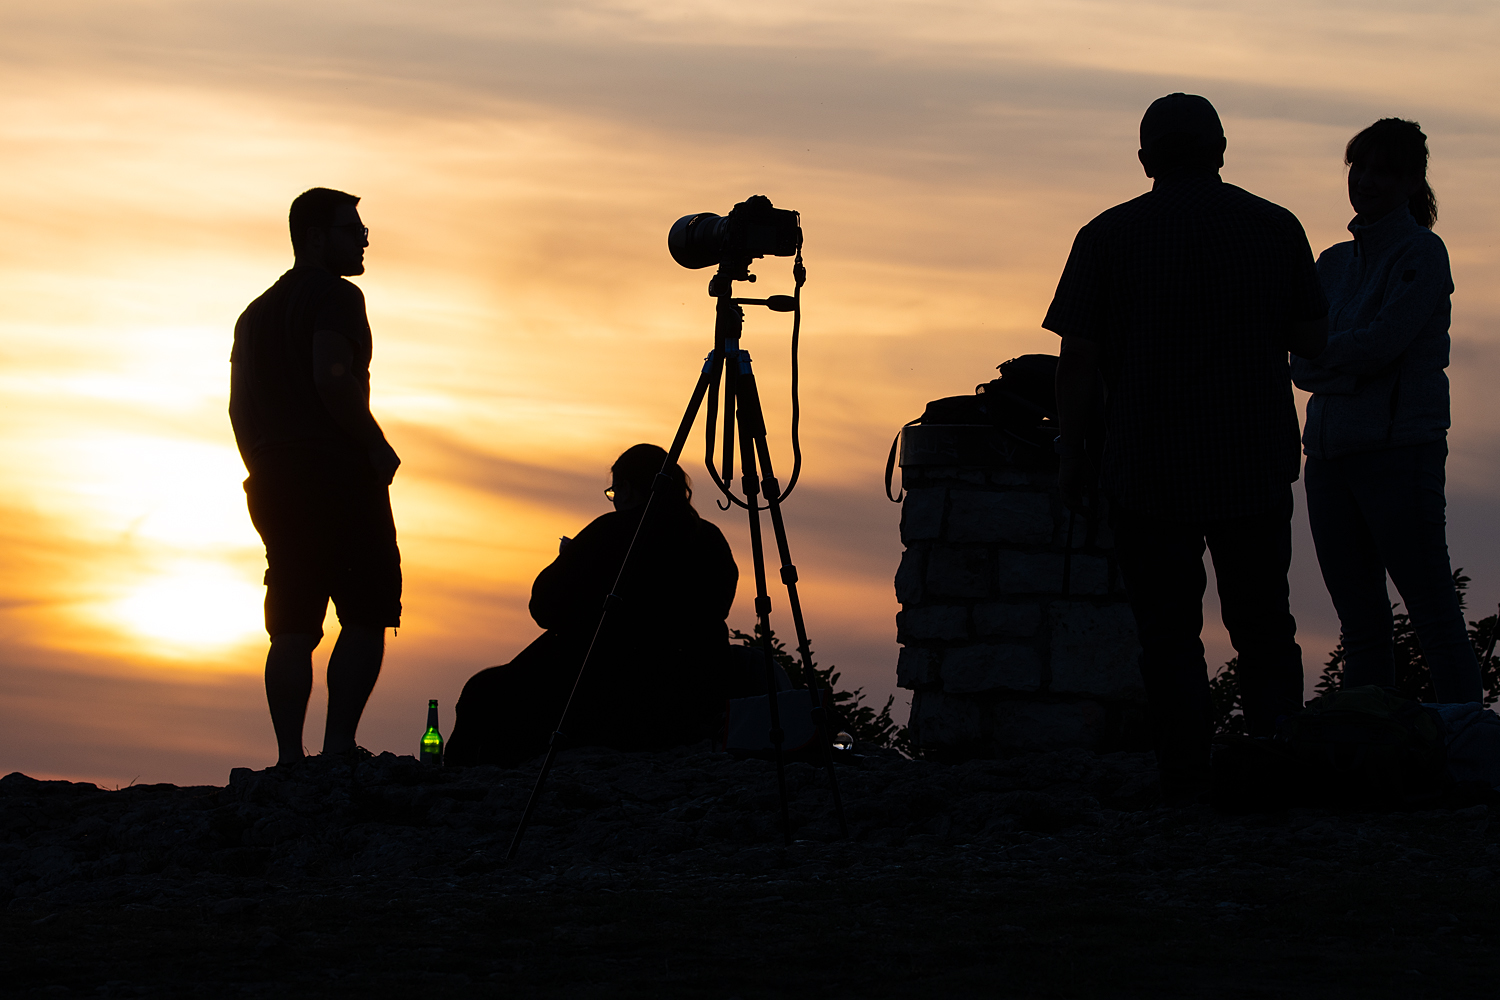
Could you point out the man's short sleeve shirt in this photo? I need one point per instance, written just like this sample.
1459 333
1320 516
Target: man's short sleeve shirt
274 401
1189 291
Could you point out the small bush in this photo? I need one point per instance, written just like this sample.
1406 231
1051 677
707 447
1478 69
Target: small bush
858 719
1224 697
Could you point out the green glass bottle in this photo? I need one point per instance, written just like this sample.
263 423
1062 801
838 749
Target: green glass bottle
432 740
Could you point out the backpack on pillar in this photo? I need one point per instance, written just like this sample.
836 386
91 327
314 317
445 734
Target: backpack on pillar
1020 404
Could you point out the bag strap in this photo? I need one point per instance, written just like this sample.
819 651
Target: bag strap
890 464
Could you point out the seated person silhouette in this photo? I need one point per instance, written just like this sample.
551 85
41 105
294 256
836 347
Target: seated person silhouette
656 677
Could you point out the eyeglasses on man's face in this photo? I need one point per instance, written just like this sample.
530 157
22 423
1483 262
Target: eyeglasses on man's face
363 231
609 493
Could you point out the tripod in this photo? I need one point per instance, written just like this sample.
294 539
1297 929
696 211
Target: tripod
729 366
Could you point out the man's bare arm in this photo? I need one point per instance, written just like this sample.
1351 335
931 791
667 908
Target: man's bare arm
347 398
1308 338
1077 389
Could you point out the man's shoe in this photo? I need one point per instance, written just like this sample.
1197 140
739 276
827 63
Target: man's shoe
352 756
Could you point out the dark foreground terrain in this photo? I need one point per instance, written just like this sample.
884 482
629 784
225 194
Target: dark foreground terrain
663 875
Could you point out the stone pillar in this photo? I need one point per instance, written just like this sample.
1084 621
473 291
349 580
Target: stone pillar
1010 643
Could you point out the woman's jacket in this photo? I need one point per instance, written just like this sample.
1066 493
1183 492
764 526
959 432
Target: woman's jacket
1380 382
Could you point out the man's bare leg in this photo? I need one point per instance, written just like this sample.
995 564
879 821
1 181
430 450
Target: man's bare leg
353 668
288 686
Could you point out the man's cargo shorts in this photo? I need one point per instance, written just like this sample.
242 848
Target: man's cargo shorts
328 533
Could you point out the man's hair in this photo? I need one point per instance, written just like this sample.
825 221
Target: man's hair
639 465
1399 145
315 207
1182 132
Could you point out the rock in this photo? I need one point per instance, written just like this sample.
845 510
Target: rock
1010 620
1050 726
917 668
922 514
235 855
991 667
392 816
984 517
909 582
1094 650
933 622
232 906
959 572
1028 573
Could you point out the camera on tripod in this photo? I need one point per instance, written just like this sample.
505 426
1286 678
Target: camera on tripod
754 228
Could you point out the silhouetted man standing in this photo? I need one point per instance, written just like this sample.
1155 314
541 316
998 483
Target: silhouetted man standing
1186 301
320 469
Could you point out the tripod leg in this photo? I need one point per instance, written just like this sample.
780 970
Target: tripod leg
750 407
732 365
711 365
708 378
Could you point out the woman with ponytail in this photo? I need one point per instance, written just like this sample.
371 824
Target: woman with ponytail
1377 422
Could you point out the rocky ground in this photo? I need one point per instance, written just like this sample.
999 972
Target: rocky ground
665 875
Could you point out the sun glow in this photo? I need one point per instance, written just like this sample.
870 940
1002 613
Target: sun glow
194 605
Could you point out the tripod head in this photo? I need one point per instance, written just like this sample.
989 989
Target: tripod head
775 303
722 285
730 321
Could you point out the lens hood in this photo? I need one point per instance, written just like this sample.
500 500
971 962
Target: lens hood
698 240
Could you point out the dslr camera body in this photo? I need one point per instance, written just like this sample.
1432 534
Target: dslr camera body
754 228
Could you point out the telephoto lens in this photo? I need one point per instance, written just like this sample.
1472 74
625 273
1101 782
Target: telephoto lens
696 240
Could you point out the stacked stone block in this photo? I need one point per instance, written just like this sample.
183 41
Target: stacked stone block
1003 653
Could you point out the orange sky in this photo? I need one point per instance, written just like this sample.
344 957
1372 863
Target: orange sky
520 165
